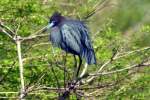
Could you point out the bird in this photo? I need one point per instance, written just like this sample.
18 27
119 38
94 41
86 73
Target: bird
72 36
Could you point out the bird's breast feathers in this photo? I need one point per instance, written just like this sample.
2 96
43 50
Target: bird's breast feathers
55 36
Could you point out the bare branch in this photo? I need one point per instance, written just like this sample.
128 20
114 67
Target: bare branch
120 70
7 28
115 57
38 31
57 81
3 31
35 57
120 55
8 31
33 37
20 68
103 4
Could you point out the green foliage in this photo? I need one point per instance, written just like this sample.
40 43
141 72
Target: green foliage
112 29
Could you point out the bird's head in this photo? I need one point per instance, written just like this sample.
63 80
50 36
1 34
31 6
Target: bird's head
54 20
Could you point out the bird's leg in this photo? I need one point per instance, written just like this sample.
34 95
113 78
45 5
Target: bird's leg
78 69
75 67
84 70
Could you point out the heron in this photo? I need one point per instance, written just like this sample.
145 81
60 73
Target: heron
72 36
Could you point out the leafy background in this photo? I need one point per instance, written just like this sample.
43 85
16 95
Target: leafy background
120 24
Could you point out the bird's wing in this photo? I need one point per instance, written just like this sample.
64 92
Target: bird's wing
85 39
82 32
70 38
75 35
88 52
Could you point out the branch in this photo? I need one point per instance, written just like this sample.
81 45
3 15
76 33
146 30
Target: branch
104 65
57 81
121 70
5 75
96 9
33 37
116 56
6 30
18 42
29 88
36 57
120 55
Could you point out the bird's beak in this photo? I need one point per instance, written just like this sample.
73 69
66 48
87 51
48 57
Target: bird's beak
48 27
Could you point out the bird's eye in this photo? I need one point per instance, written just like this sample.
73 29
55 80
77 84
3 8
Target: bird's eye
53 22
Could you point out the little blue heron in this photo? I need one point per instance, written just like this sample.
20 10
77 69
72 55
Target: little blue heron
71 36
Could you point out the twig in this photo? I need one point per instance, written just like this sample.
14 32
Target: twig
10 32
124 54
29 89
103 5
50 89
3 31
65 75
18 27
115 57
120 70
40 44
39 31
58 84
8 98
5 75
33 37
105 64
36 57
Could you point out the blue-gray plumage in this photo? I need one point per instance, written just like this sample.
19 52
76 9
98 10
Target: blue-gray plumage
72 36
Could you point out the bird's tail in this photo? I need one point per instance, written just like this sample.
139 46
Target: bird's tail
89 56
